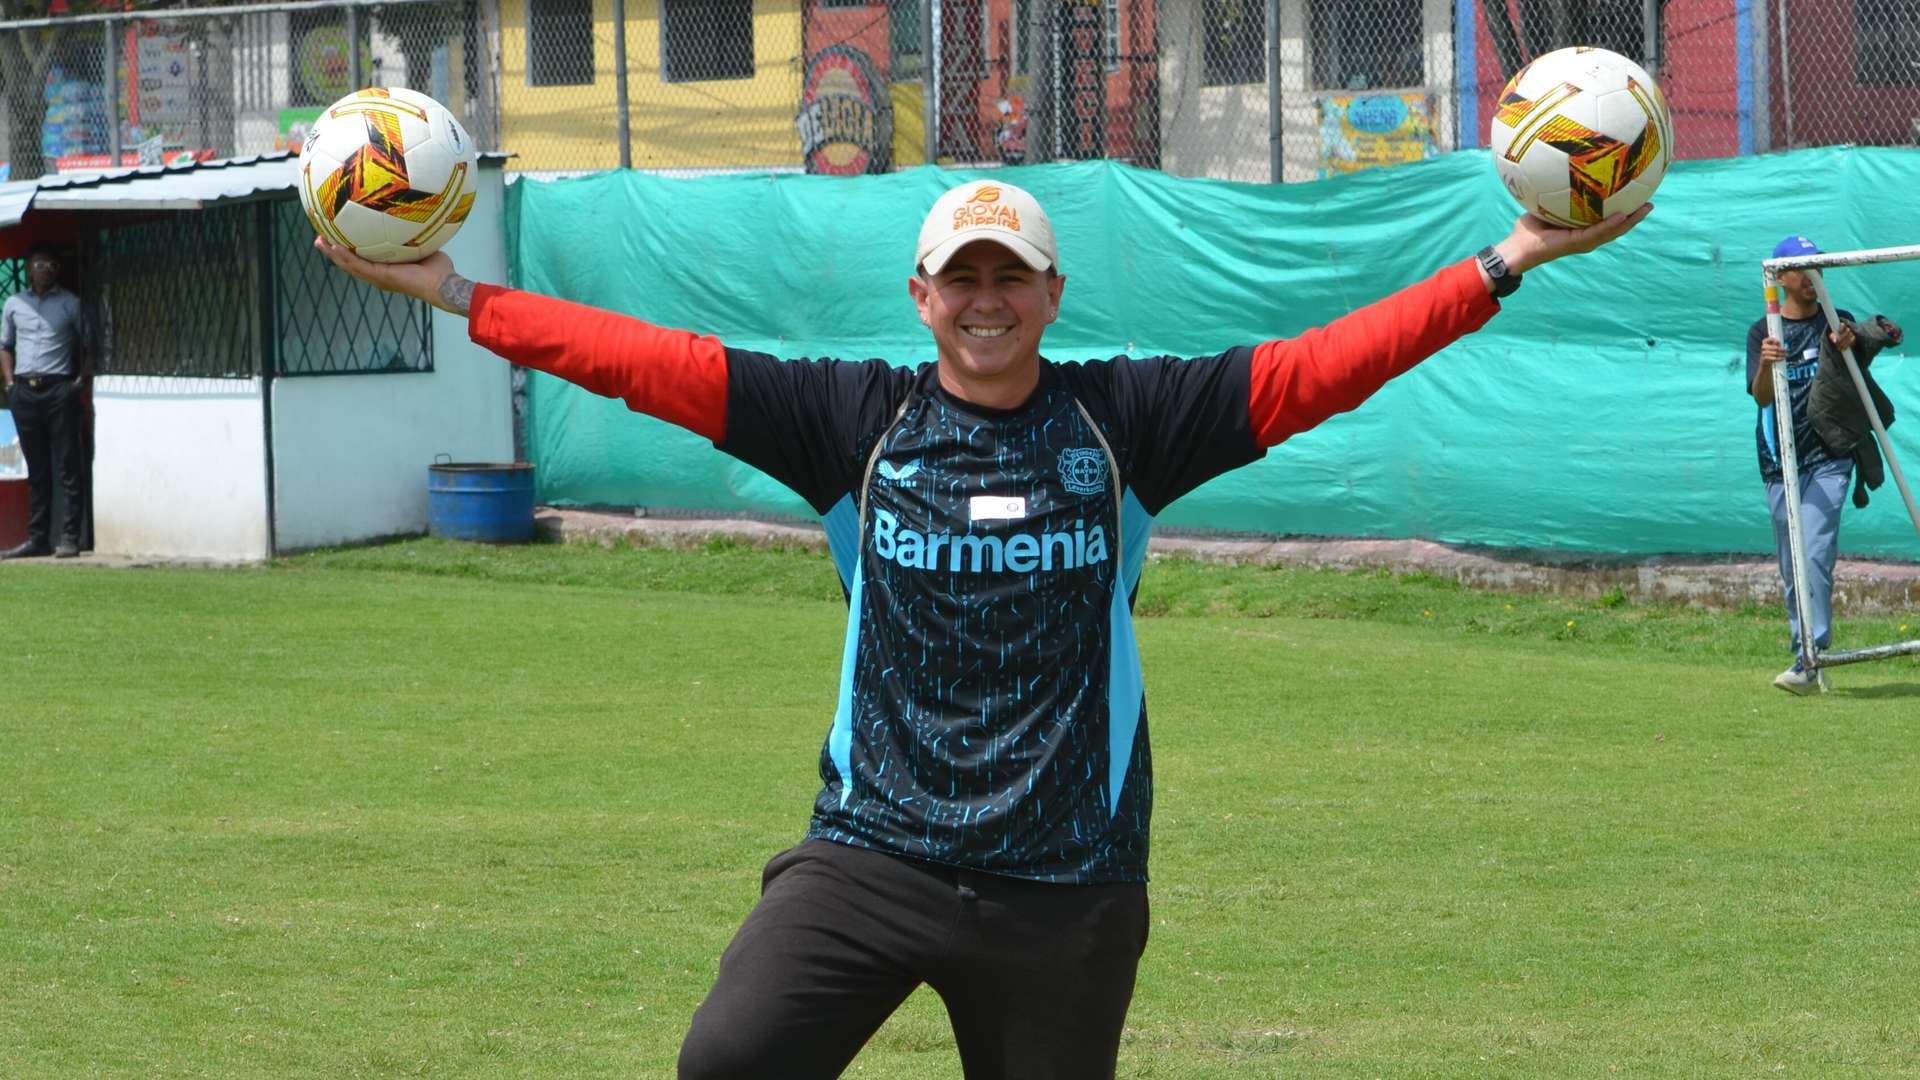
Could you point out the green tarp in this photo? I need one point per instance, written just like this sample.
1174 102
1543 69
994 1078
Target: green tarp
1603 410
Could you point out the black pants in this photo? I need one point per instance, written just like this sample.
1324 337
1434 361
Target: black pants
48 417
1036 977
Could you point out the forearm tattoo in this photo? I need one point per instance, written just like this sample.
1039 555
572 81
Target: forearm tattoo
456 294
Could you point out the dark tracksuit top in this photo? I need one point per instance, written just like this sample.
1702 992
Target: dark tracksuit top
991 712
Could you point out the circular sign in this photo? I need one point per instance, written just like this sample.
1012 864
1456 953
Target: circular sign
322 60
846 115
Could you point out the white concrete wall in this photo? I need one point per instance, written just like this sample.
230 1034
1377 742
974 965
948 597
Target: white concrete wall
179 468
1222 131
1216 131
350 452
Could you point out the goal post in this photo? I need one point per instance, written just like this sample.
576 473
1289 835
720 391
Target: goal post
1811 657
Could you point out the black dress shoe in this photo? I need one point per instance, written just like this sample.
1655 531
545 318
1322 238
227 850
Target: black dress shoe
32 549
66 549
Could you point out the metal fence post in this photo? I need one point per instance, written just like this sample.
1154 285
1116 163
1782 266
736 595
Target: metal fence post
1650 36
929 82
1786 74
353 49
1276 159
622 119
110 86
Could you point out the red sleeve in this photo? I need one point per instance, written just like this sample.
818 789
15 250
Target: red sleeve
672 374
1301 381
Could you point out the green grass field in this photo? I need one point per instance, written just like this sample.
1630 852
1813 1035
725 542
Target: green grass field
439 810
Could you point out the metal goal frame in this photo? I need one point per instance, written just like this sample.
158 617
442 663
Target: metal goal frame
1810 656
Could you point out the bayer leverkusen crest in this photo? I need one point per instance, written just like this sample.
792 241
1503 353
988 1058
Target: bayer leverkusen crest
846 115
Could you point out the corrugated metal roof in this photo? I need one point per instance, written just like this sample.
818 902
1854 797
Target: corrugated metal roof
15 197
188 186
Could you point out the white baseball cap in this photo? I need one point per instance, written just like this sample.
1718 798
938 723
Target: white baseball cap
986 210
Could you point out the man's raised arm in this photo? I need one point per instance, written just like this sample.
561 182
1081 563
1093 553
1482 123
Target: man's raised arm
1298 382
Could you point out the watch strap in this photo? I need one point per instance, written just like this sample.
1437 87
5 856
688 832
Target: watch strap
1505 281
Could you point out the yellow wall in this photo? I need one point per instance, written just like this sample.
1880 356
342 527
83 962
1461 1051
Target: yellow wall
909 124
724 123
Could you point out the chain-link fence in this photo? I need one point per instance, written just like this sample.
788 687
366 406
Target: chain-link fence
237 291
1239 89
86 92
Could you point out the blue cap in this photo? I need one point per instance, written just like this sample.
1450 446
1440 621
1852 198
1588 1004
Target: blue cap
1795 245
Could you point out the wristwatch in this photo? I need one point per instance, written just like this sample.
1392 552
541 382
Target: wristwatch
1505 281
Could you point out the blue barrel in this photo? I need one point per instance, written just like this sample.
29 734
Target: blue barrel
493 503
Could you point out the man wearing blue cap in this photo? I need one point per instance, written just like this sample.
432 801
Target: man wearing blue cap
1823 474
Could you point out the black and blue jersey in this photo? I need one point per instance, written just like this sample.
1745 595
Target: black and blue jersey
1803 339
991 712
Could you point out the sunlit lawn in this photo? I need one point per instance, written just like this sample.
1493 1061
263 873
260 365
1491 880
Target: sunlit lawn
431 809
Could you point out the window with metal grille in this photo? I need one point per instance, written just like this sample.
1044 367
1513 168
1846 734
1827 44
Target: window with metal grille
905 58
704 40
183 295
559 42
178 295
1236 42
1886 42
845 3
332 324
1366 44
1618 25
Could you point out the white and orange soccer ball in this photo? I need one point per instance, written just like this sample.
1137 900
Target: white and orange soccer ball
388 172
1580 134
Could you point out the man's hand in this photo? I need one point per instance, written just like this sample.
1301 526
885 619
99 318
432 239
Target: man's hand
1533 242
1771 353
432 279
1842 336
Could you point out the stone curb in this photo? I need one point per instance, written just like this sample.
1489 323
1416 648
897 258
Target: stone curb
1861 587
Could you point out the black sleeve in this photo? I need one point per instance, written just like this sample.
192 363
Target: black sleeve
1174 423
1756 334
809 423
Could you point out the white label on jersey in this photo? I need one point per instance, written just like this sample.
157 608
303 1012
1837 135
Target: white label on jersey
999 508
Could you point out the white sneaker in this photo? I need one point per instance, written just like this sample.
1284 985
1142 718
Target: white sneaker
1798 681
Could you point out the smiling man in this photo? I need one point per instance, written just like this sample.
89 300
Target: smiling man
982 822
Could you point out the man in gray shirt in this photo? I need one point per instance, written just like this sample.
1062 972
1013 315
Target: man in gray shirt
42 358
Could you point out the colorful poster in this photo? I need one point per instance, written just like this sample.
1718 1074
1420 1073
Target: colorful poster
1365 131
294 125
160 99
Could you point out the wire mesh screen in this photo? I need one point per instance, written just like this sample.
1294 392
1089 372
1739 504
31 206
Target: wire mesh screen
1844 71
178 295
691 85
979 82
1740 77
331 324
1241 89
92 93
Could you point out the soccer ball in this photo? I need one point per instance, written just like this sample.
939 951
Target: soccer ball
1581 134
388 173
